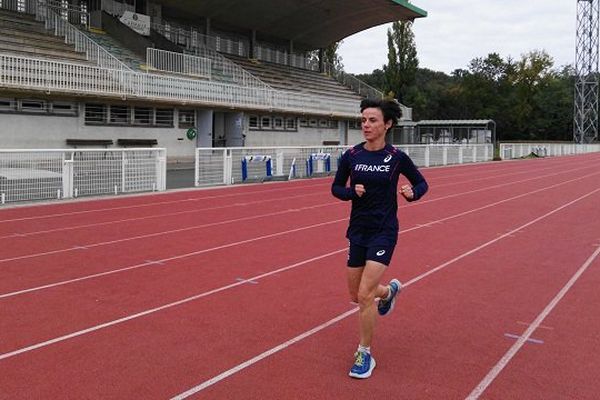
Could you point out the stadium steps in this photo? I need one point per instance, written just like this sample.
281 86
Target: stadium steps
22 35
296 79
111 45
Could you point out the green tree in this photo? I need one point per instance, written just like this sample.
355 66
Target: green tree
402 63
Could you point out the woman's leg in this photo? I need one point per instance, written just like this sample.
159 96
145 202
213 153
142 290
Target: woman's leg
364 288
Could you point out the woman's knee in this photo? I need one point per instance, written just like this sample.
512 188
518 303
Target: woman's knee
365 296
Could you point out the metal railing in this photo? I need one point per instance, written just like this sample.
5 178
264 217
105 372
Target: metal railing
30 175
222 69
178 63
223 166
56 76
519 150
61 27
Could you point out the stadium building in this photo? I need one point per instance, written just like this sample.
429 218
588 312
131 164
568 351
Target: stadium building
181 74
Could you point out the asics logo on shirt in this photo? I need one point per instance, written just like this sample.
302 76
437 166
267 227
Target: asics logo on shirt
388 158
380 253
371 168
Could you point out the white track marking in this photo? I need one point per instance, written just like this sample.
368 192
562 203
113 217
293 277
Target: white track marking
136 266
277 348
489 378
47 253
295 187
340 317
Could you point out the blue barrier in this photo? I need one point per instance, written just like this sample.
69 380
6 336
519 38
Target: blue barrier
326 157
257 158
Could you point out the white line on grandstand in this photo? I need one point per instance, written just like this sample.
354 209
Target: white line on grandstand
295 187
340 317
258 277
495 371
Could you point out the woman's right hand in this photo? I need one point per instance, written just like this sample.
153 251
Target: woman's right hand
359 189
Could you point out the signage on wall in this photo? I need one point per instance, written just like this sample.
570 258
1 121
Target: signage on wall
138 22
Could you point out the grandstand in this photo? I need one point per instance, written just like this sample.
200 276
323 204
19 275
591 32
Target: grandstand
179 75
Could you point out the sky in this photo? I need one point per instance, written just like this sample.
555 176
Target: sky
457 31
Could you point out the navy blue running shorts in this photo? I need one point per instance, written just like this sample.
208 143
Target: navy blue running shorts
358 255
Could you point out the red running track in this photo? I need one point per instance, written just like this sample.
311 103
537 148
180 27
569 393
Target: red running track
240 292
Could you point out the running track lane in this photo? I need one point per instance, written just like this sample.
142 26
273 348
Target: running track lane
137 292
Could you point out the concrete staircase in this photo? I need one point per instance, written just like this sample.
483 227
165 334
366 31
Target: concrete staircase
115 48
22 35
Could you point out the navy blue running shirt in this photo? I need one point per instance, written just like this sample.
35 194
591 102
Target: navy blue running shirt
373 215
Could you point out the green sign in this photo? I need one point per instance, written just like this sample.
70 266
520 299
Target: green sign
191 133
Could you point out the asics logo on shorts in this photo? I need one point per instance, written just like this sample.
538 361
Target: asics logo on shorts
388 158
380 253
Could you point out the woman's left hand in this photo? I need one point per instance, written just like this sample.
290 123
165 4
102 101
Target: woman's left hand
407 192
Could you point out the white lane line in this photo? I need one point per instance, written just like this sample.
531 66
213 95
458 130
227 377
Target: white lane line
295 187
282 346
136 266
261 356
265 354
171 214
266 192
43 254
154 310
489 378
99 244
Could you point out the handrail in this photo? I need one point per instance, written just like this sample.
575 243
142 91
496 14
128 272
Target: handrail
74 36
220 65
59 76
177 63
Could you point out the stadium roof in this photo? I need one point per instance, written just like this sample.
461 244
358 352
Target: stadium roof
310 24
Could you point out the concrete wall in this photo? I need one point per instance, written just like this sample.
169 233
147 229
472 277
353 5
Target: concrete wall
25 131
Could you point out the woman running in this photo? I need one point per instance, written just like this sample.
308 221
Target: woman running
374 168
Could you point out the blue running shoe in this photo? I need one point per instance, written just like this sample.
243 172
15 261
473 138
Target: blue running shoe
363 365
385 306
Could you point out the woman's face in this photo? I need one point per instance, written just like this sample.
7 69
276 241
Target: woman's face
373 127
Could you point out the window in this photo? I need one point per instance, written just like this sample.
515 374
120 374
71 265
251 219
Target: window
278 123
333 124
142 116
119 115
187 118
7 105
323 123
354 124
290 124
303 122
265 122
164 117
32 105
95 114
253 122
63 108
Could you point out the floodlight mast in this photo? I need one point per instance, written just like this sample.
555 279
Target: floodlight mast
585 123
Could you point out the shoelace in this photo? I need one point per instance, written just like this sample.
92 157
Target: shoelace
360 359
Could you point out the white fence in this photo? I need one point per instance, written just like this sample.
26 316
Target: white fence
53 76
223 166
518 150
27 175
178 63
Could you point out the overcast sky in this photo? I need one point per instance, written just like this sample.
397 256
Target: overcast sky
457 31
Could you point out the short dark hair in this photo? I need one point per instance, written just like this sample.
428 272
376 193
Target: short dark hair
389 108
